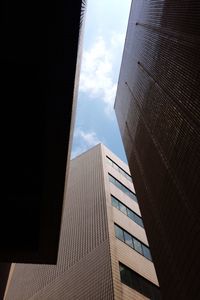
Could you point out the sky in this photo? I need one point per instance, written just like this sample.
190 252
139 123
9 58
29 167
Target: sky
104 36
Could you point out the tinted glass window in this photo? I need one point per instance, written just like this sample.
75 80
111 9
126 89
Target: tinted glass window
134 197
115 202
126 277
119 233
137 246
139 283
128 239
122 208
138 220
146 252
122 187
111 179
131 215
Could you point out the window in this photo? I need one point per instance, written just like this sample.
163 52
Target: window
137 246
119 233
128 239
138 220
132 215
122 207
133 196
115 203
118 168
126 277
139 283
131 241
146 252
122 187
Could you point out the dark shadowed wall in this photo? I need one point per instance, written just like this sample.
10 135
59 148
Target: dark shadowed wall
158 112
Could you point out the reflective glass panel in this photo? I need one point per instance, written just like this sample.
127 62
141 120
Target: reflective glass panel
119 233
128 239
123 208
137 246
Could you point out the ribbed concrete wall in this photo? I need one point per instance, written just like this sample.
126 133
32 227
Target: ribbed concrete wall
158 110
83 270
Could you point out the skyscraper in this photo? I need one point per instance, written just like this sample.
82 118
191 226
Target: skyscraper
103 252
158 111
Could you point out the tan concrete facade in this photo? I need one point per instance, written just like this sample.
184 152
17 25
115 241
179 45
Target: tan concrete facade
89 252
120 252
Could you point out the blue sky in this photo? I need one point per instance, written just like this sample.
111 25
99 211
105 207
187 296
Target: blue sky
104 36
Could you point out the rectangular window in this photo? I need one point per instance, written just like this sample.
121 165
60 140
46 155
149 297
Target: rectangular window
138 220
146 252
137 245
122 207
131 241
132 215
139 283
133 196
115 203
126 277
122 187
119 233
118 168
128 239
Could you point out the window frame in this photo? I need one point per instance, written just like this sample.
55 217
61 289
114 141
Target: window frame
122 187
119 228
131 238
116 226
139 283
118 168
123 208
127 211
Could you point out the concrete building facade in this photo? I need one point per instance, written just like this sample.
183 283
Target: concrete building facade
103 252
158 111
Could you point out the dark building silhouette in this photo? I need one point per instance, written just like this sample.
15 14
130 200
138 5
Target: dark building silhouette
158 111
40 57
39 45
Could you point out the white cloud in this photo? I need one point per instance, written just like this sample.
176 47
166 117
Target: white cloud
83 141
97 78
89 138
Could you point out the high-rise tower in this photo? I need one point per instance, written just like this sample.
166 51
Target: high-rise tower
103 252
158 111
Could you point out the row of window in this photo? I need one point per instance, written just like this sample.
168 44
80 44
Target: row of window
132 215
139 283
122 187
118 168
131 241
